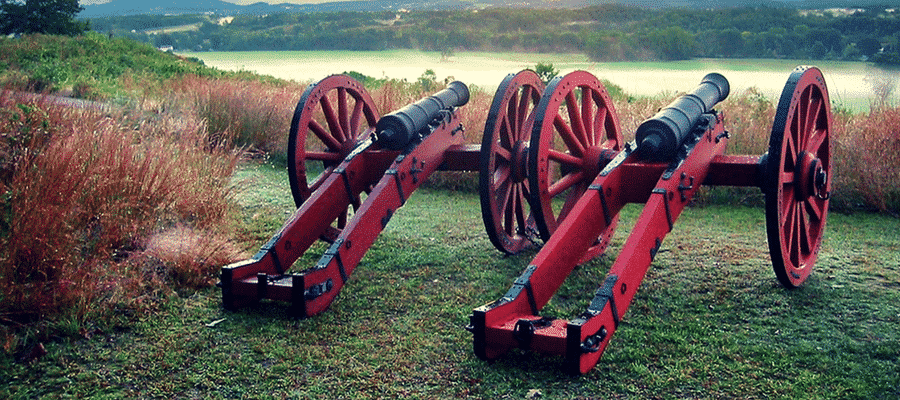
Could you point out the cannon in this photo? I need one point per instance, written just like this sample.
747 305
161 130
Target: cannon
396 130
658 137
554 172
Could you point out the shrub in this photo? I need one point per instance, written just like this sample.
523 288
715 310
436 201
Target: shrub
83 193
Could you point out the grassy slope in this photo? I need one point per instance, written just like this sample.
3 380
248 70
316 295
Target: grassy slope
710 320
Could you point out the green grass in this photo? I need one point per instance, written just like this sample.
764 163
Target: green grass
710 320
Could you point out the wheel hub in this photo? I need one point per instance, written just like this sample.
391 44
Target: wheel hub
519 161
811 178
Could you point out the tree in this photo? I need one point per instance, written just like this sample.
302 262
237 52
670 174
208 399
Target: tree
672 43
868 46
546 71
53 17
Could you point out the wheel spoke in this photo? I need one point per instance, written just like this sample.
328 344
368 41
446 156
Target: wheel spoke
509 213
802 117
575 121
600 127
812 118
503 153
587 116
565 182
343 113
795 236
563 158
501 174
354 118
787 177
804 246
787 198
522 113
526 190
317 182
816 208
331 119
522 201
568 137
507 132
514 114
504 194
790 149
323 156
330 142
817 142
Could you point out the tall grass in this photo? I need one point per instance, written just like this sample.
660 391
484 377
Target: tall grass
251 114
867 159
83 194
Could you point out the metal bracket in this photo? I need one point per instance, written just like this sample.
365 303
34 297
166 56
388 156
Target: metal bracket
592 343
319 289
523 282
414 171
524 329
682 188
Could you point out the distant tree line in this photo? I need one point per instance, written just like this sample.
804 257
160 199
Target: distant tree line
604 32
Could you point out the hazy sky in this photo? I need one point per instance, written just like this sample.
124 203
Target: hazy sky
243 2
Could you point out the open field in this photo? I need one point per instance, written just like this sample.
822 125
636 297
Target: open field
850 83
114 224
710 320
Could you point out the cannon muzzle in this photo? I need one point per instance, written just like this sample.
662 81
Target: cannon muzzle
659 137
397 129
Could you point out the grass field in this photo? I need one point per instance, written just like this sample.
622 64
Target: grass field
710 320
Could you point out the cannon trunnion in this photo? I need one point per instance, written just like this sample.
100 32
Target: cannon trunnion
554 168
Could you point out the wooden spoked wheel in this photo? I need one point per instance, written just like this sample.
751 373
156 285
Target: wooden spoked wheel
798 176
331 118
575 134
504 189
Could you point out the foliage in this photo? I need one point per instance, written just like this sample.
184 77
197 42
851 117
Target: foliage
52 17
672 43
546 71
93 64
607 32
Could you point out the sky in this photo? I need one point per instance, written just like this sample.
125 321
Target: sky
241 2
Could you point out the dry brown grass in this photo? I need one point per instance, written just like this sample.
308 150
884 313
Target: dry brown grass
82 190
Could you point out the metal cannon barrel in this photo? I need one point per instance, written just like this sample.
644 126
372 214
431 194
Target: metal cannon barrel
659 136
395 130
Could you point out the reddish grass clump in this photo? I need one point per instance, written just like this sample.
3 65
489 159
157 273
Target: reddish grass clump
251 114
81 192
867 159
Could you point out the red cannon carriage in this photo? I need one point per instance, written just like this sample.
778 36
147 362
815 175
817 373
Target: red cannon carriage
554 168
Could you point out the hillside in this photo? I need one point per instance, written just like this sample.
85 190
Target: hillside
220 7
604 32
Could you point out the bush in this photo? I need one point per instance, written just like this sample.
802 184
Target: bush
80 195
